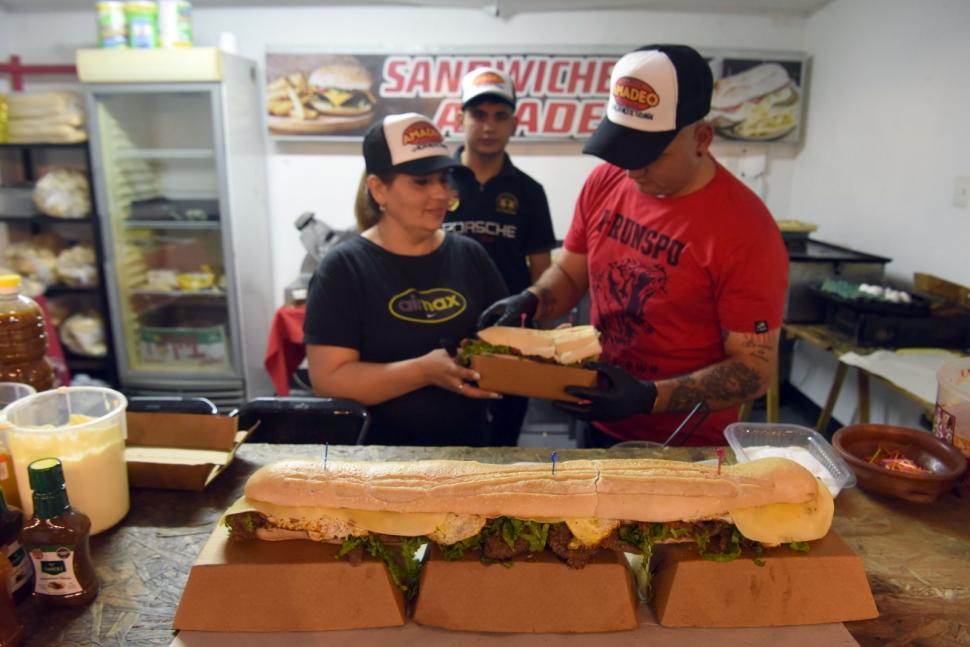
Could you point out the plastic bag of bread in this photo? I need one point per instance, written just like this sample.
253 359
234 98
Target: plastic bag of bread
63 193
35 258
83 334
77 266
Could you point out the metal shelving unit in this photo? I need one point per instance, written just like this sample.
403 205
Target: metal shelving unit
95 296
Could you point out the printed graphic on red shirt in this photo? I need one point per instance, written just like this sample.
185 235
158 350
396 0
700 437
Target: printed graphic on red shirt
624 290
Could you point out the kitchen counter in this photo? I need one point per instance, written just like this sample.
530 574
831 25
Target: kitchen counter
917 557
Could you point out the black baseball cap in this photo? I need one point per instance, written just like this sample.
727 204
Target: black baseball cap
407 143
654 92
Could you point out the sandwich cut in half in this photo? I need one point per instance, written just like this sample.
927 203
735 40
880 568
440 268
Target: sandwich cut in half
523 514
533 363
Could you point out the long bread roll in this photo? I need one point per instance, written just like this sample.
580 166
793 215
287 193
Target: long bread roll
635 490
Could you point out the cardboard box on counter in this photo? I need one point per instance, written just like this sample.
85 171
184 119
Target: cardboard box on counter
515 376
293 585
180 451
827 584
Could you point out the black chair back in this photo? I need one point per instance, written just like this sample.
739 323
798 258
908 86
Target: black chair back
305 420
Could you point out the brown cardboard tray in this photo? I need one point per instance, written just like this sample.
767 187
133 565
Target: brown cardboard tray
288 586
536 595
827 584
515 376
180 451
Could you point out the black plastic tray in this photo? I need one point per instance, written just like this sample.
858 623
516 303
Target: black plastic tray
918 307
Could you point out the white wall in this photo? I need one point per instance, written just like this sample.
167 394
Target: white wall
321 177
887 133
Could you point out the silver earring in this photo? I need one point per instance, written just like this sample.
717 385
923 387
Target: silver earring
382 207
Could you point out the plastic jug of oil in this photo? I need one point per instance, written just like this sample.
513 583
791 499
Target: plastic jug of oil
23 337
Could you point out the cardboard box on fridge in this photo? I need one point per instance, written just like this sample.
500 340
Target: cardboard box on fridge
516 376
180 451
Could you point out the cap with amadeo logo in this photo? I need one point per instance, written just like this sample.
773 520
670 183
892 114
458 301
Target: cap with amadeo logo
487 82
407 143
654 92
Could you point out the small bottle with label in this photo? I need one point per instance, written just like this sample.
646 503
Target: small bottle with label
56 538
12 631
22 576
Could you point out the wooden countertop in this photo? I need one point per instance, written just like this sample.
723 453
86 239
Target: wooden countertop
917 556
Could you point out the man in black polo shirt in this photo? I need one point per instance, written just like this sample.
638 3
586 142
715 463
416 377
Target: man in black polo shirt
499 206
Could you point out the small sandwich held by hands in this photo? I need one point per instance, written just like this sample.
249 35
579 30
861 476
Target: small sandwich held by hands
533 363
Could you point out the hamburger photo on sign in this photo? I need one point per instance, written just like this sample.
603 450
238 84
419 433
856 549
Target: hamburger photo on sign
318 94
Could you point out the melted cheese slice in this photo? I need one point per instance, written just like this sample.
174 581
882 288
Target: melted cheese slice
780 523
412 524
336 97
590 532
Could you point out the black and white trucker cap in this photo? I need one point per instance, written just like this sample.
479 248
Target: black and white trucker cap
406 143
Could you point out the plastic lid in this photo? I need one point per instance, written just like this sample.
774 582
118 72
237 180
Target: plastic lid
46 475
10 283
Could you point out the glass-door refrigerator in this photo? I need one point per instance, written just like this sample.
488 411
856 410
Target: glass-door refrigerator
180 177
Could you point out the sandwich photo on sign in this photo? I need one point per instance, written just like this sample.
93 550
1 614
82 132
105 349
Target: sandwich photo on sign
334 96
756 101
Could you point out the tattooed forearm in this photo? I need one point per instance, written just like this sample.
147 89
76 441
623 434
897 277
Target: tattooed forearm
764 352
723 385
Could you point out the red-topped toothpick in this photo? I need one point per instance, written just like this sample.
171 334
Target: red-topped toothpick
522 318
720 459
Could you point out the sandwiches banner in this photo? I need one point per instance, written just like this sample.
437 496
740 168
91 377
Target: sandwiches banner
757 96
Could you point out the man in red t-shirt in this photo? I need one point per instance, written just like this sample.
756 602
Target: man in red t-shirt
685 266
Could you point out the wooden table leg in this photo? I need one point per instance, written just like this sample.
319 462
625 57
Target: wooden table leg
826 415
863 383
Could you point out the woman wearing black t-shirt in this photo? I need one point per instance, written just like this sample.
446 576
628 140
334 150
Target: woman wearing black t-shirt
382 306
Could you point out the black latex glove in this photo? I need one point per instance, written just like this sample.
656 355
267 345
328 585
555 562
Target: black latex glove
620 396
509 311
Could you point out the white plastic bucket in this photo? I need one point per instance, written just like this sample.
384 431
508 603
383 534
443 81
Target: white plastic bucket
85 427
951 421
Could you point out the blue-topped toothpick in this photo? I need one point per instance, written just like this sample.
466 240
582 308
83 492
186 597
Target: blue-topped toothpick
555 455
326 452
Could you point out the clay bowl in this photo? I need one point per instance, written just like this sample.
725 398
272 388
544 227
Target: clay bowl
857 443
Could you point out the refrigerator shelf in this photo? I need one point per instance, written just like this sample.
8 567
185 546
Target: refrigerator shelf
165 153
213 225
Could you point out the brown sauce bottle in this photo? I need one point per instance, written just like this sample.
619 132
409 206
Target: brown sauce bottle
12 632
56 538
20 581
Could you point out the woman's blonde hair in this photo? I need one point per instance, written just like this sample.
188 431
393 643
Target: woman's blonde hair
366 210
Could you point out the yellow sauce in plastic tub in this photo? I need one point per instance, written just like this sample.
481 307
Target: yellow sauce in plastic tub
90 447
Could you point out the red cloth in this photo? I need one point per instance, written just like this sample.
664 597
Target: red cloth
55 353
668 275
285 349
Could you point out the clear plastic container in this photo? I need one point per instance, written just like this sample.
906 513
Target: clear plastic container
805 446
10 391
85 427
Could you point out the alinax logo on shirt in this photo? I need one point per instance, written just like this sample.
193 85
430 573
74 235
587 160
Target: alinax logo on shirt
433 306
507 203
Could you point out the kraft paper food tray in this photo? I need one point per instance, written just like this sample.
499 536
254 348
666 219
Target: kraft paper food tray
180 451
649 633
524 377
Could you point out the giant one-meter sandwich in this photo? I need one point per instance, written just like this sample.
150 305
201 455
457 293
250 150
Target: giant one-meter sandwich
533 363
513 513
